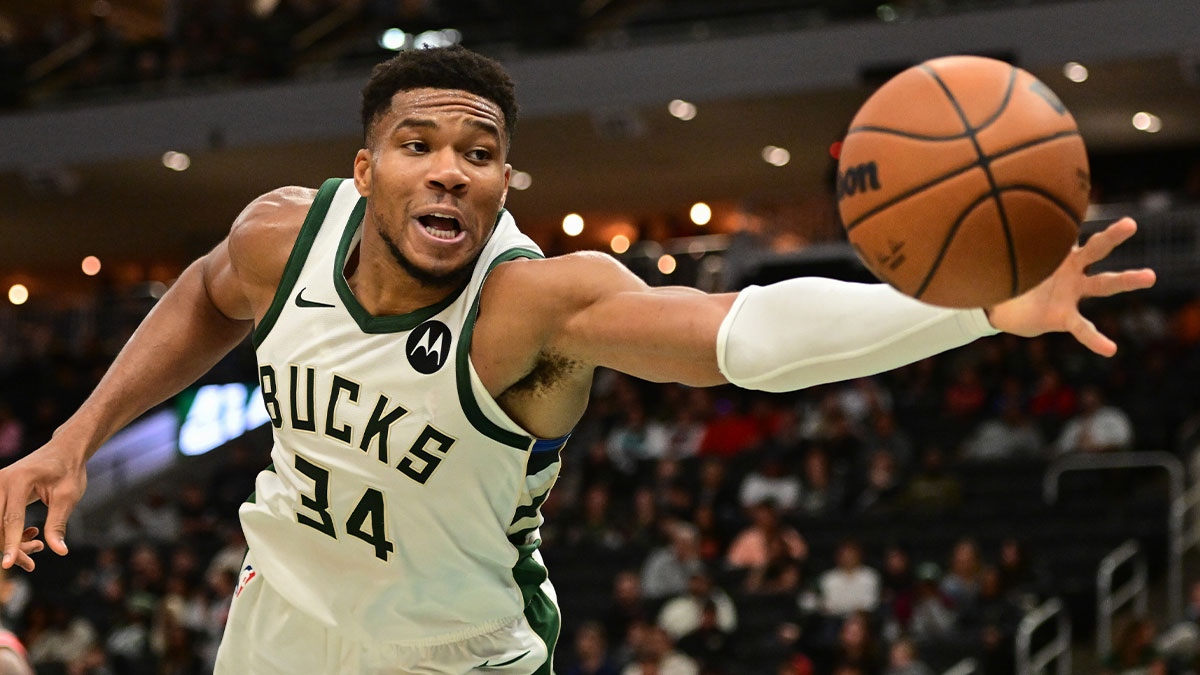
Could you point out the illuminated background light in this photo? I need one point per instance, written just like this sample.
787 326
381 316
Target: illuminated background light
91 265
520 180
700 213
666 264
176 161
573 224
776 156
682 109
1075 72
1148 122
18 294
619 243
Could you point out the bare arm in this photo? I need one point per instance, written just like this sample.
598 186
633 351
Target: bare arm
205 314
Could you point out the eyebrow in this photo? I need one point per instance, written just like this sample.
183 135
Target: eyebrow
428 123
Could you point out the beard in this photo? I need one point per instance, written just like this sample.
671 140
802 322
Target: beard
452 278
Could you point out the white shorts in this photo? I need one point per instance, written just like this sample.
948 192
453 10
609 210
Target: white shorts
265 635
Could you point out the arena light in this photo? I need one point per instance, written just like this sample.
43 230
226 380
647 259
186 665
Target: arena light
573 224
1075 72
176 161
393 39
520 180
1147 122
776 156
619 244
666 264
701 214
437 38
90 265
681 109
18 294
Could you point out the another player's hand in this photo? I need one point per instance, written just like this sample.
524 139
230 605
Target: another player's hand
1053 305
51 475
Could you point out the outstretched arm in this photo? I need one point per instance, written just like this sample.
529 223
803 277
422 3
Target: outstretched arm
205 314
805 332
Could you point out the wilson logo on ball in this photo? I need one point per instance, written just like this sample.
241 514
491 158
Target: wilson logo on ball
857 179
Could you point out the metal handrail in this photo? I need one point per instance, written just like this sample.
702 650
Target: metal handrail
1135 460
1109 601
1059 648
968 666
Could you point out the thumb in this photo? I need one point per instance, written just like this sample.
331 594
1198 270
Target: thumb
58 513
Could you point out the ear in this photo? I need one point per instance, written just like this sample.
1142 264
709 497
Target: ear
507 177
362 172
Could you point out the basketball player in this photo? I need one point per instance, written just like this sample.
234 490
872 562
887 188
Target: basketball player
422 364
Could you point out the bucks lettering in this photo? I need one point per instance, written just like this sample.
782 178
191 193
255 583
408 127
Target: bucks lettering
343 401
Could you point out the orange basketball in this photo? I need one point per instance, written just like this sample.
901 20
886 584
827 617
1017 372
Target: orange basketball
962 181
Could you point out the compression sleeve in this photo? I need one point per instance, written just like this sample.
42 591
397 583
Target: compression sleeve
804 332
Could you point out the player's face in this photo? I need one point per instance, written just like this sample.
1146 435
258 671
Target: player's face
435 178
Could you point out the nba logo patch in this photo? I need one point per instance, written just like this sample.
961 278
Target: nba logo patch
247 574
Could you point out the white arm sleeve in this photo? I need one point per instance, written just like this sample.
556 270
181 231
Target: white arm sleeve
804 332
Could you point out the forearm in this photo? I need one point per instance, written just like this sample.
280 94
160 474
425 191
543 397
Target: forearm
178 341
804 332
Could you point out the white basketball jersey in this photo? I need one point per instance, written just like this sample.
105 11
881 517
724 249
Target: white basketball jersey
402 504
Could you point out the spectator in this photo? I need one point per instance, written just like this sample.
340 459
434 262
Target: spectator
932 616
682 614
903 660
157 518
591 652
658 656
964 576
595 528
823 493
771 480
1023 579
780 575
636 441
1011 434
883 489
1097 427
897 588
1053 400
1133 651
717 491
750 548
709 643
933 489
885 434
730 432
857 647
626 606
991 608
668 568
851 586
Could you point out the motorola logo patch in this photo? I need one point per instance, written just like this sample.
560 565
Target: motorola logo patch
428 347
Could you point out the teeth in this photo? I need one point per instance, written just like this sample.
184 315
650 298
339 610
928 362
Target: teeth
441 234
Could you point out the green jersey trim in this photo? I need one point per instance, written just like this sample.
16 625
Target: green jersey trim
295 262
540 609
367 322
466 396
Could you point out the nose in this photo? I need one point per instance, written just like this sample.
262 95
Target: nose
446 172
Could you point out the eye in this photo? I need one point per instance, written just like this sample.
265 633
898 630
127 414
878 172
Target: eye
418 147
479 155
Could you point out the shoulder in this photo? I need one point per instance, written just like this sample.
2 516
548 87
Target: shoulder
262 235
566 281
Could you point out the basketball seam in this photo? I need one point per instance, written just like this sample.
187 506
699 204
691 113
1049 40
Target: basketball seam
1012 80
951 174
937 261
984 162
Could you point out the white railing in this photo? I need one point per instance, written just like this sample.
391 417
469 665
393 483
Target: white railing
1111 600
1175 493
1058 649
968 666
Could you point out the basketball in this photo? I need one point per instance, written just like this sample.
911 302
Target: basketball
962 181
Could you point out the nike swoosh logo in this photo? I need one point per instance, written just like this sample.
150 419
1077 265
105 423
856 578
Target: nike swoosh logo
301 302
489 664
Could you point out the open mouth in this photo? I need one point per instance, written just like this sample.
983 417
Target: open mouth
440 227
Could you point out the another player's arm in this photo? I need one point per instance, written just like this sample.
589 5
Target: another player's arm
206 313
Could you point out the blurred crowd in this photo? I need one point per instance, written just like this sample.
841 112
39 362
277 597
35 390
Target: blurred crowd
702 496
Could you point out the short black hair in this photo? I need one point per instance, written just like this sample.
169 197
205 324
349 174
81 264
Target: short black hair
454 67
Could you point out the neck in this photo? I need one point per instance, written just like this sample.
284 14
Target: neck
384 288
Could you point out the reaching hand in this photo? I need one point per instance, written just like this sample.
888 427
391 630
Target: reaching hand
1053 305
42 475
